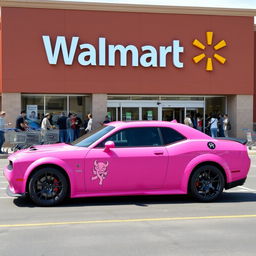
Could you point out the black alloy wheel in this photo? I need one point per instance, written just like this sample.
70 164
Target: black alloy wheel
48 187
206 183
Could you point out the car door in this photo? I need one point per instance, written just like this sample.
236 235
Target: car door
137 163
179 152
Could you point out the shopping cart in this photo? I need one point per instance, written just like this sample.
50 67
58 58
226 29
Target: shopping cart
33 138
50 137
25 139
17 140
251 137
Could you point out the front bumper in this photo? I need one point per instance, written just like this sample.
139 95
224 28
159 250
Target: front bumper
10 193
235 183
16 181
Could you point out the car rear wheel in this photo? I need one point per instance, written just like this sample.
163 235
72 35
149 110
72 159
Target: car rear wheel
48 187
206 183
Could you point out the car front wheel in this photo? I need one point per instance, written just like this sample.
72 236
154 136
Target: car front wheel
48 187
206 183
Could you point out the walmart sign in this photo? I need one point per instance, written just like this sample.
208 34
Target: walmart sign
105 54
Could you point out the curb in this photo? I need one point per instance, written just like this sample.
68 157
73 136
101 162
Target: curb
4 156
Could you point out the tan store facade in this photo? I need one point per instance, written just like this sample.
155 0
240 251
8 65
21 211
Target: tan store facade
130 62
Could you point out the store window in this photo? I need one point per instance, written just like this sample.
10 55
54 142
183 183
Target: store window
34 107
112 112
149 114
130 114
79 105
55 105
215 105
38 105
182 98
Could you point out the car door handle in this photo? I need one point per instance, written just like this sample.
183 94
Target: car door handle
159 153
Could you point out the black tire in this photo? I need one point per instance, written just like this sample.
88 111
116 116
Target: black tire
48 187
206 183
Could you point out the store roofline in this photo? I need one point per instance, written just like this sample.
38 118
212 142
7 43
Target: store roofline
50 4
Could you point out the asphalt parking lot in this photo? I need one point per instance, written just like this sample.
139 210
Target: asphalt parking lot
159 225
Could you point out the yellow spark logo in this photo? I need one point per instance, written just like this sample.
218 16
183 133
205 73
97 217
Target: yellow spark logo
218 46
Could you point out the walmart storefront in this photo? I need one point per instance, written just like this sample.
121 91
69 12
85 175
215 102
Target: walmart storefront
132 62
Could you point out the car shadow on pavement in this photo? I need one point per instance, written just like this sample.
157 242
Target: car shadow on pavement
143 201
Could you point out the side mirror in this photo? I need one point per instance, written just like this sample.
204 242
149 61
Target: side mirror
108 145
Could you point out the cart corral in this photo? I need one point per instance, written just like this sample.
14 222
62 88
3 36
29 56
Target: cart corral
23 139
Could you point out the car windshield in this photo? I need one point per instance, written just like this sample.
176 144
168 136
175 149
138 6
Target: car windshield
89 138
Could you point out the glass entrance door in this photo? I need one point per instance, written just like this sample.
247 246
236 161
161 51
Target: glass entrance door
112 114
149 114
197 117
130 114
129 110
169 114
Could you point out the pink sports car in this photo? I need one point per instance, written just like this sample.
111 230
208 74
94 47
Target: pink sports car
130 158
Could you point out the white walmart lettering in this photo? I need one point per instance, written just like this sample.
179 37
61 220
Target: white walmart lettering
149 57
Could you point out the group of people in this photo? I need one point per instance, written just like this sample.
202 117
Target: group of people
69 126
215 125
3 126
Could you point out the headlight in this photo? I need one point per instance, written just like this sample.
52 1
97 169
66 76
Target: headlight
10 166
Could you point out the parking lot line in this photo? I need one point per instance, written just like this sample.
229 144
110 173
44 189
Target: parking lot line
125 221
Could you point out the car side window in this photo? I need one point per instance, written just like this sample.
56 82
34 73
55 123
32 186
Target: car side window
135 137
170 135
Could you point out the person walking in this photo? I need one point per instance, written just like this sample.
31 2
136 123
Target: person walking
76 124
73 125
193 120
106 121
62 123
221 126
20 122
70 132
226 125
86 120
188 121
214 126
89 124
45 126
2 130
199 120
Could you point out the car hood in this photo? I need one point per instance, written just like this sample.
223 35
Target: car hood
43 150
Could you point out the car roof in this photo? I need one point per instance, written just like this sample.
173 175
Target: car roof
185 130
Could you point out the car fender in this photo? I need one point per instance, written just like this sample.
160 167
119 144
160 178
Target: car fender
199 160
44 161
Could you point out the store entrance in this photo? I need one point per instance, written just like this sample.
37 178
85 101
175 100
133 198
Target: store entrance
154 110
169 114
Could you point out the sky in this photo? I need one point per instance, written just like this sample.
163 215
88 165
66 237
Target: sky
244 4
247 4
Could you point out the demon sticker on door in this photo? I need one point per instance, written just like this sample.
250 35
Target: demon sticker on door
100 171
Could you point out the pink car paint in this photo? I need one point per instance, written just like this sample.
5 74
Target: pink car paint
165 169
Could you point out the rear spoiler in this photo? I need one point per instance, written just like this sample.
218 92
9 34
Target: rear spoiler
242 141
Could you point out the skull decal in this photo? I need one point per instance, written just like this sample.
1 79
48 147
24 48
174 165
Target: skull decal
100 171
